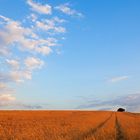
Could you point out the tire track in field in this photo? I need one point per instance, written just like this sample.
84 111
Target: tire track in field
119 132
92 131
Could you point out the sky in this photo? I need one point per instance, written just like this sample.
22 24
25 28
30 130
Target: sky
59 54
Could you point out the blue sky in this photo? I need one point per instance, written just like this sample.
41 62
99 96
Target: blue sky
69 54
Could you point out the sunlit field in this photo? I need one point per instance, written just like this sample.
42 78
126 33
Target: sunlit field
69 125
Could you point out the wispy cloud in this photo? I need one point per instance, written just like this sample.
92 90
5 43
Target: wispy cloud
3 86
6 99
65 8
10 103
118 79
130 102
13 63
42 9
51 25
33 63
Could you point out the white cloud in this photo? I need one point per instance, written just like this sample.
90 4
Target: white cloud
5 78
2 86
14 33
13 63
33 17
33 63
59 20
42 9
24 44
4 18
51 41
15 76
20 76
4 89
6 98
9 101
44 50
49 25
67 10
60 29
117 79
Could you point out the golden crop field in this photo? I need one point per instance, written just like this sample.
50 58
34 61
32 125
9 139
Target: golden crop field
69 125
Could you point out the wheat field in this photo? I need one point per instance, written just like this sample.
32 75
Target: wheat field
69 125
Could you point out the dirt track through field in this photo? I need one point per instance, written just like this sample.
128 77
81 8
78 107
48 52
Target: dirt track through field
119 133
92 131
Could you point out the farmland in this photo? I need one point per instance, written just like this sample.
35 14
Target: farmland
69 125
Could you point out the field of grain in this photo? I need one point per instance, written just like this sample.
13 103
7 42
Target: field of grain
69 125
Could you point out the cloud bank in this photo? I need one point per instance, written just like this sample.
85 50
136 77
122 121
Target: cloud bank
131 102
